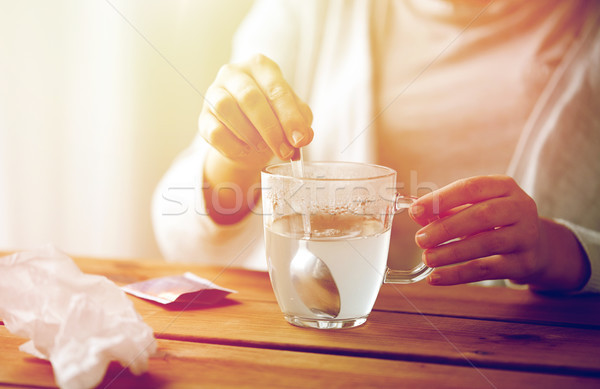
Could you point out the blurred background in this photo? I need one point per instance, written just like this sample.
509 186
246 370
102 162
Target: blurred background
96 99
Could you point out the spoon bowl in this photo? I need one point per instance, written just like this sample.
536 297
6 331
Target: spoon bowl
314 283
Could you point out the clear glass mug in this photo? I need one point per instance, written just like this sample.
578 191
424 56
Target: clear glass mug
327 238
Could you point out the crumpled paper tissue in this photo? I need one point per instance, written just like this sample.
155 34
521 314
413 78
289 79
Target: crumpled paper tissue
79 322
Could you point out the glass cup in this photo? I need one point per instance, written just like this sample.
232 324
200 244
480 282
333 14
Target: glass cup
327 236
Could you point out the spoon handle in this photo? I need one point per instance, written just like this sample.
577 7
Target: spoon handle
298 172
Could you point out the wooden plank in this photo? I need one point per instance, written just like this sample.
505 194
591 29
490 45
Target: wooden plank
251 284
491 303
446 337
188 364
388 335
252 318
494 303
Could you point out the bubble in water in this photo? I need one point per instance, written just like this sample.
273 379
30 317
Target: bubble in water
330 226
335 233
371 227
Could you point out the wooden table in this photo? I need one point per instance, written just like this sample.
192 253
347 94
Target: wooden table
417 336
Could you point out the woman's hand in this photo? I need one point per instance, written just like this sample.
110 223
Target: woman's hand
250 113
487 227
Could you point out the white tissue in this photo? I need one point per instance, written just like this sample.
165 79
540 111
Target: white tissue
79 322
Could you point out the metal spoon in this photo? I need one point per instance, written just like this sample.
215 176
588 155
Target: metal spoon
314 283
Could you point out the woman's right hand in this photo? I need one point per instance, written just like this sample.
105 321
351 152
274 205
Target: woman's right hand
250 113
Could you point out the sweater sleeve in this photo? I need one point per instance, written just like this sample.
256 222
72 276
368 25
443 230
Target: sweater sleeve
560 164
183 229
590 241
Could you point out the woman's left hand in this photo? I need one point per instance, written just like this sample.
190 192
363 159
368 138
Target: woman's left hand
479 228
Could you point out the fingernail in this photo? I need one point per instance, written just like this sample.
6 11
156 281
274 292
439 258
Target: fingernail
262 146
285 151
417 210
435 278
422 238
429 258
297 136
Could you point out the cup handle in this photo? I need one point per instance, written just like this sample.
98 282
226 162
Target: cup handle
418 273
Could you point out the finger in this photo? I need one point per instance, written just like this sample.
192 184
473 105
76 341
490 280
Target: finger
308 117
257 109
223 106
466 191
423 221
219 137
484 244
488 268
283 101
497 212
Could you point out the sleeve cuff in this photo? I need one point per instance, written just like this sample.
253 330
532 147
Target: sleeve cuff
590 241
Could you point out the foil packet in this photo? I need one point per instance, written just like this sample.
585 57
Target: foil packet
186 288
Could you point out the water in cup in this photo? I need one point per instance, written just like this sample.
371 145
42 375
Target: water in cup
354 248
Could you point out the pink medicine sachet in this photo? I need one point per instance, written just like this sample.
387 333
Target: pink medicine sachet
186 288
